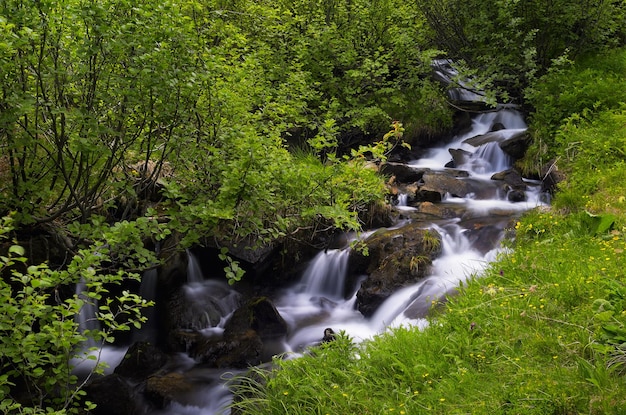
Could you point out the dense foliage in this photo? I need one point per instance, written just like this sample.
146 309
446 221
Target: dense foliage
102 100
506 45
41 338
591 90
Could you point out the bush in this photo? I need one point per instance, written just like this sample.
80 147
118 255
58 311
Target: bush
565 97
40 334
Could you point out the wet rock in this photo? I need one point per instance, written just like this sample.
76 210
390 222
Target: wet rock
459 157
419 304
514 185
402 172
113 395
497 126
245 332
516 145
427 195
260 315
482 139
397 257
141 360
443 183
410 190
437 210
185 314
511 177
237 351
183 340
162 390
515 196
484 238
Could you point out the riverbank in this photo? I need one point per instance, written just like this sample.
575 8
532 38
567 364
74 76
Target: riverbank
540 332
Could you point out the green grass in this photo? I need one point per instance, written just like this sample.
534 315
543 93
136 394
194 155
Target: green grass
543 331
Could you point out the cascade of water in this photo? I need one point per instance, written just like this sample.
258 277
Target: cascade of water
209 305
86 318
403 202
488 159
194 272
308 316
148 291
445 70
211 398
92 353
326 274
457 262
511 119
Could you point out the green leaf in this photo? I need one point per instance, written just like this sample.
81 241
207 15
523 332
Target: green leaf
16 249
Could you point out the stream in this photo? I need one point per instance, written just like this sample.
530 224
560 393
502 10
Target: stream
318 299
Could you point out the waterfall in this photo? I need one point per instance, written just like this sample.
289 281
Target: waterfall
209 304
91 353
194 272
402 202
445 71
148 291
492 158
326 274
87 319
488 159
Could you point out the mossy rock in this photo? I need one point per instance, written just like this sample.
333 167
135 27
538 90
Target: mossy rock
396 258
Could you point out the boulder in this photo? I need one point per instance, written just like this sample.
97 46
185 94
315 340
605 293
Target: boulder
484 238
402 172
237 351
258 314
482 139
459 157
437 210
427 195
397 257
185 315
497 126
163 389
516 145
444 182
245 332
514 184
141 360
112 394
514 195
511 177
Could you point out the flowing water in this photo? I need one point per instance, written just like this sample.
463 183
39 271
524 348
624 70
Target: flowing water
91 353
319 300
